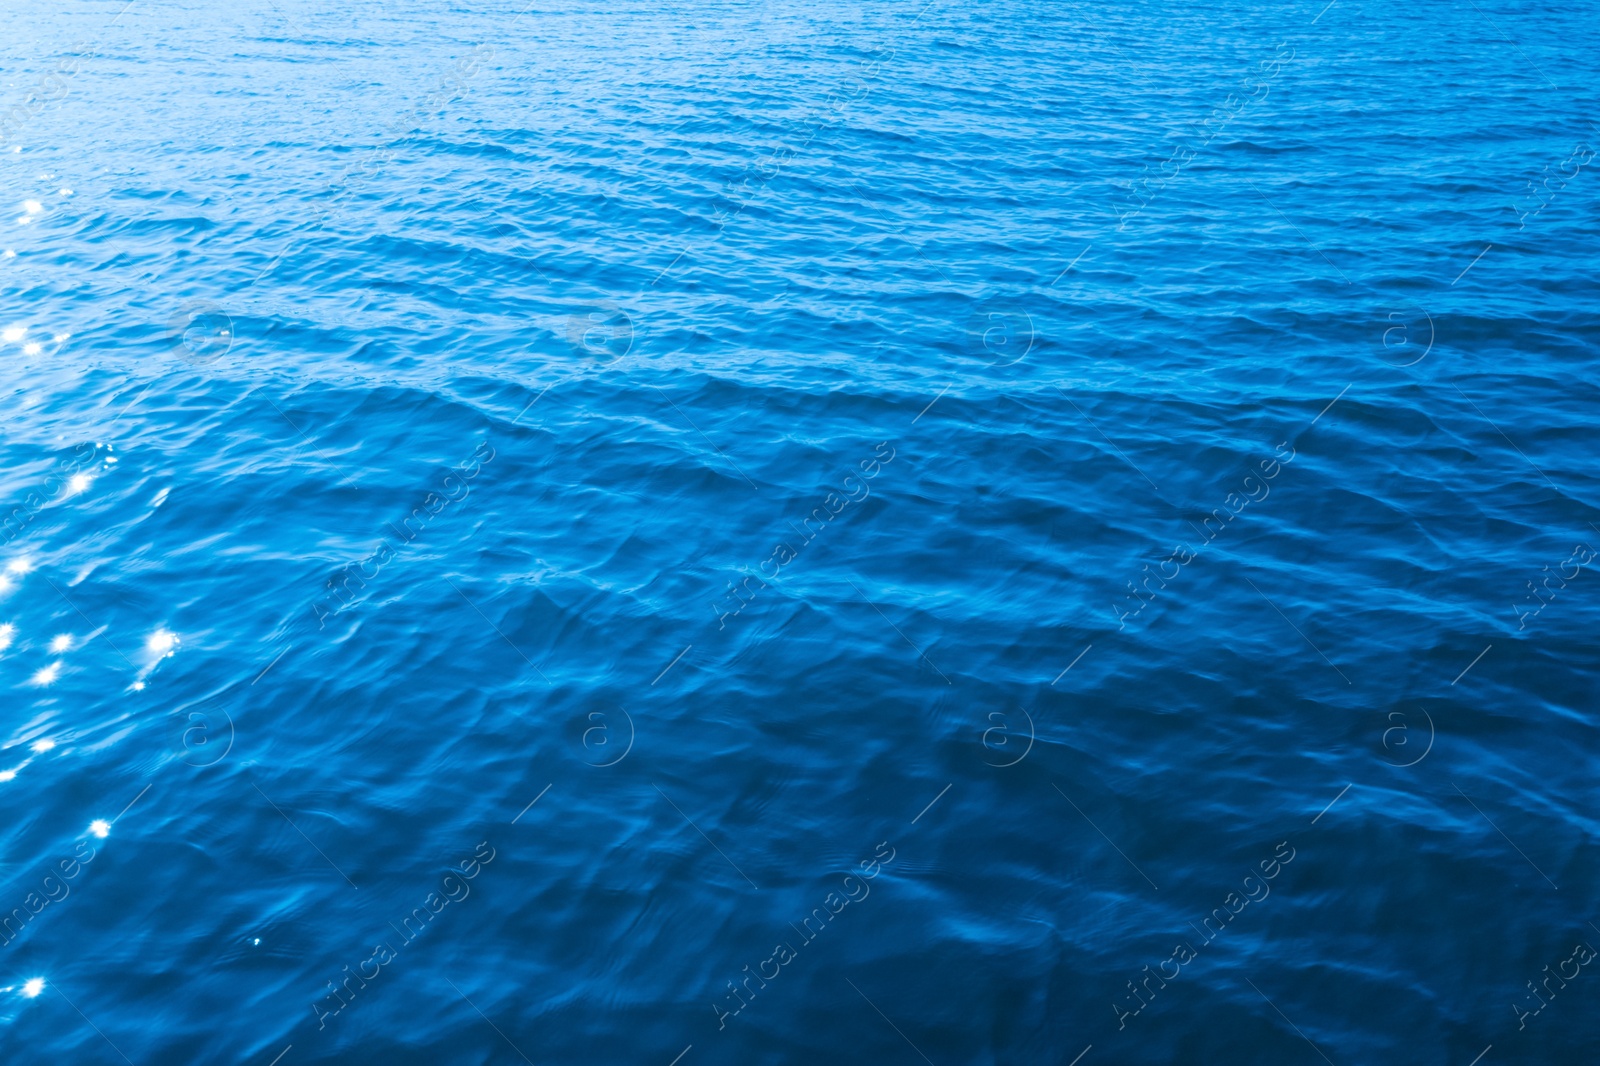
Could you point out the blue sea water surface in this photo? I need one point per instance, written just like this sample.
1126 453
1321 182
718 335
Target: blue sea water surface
793 533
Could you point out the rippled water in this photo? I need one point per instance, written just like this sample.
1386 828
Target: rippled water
796 533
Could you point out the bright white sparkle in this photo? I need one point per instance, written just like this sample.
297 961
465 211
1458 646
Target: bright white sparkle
12 334
32 348
161 642
20 565
7 775
33 207
100 828
138 686
42 746
77 482
61 642
33 987
7 632
48 675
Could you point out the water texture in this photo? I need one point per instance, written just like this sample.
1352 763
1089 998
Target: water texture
794 533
